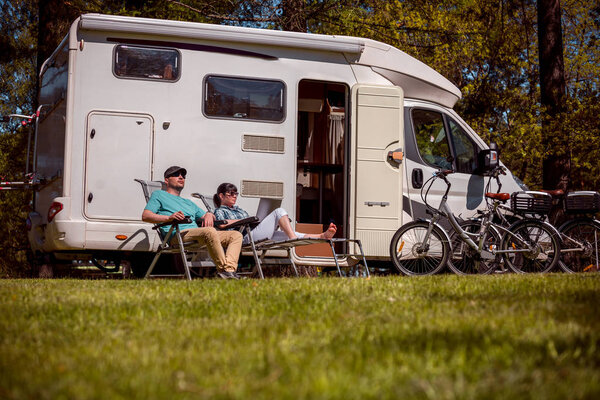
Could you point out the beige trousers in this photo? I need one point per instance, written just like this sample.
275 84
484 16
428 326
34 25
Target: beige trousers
215 241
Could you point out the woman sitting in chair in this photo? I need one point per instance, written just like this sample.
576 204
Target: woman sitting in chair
225 199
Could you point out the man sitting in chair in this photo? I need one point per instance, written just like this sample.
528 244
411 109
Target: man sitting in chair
168 205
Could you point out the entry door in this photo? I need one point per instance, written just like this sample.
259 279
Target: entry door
378 137
119 149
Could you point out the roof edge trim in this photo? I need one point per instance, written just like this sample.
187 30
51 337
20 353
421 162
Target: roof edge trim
195 30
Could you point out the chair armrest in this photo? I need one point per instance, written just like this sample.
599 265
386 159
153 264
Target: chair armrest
250 221
186 220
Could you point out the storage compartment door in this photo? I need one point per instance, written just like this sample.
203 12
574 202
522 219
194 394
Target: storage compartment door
119 149
378 137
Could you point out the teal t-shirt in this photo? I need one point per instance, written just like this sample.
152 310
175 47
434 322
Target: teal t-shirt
163 203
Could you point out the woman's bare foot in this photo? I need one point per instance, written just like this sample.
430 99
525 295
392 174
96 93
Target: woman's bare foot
330 232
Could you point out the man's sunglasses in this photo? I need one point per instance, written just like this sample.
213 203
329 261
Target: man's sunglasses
176 175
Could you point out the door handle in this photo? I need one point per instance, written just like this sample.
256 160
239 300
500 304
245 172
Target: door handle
377 203
395 156
417 178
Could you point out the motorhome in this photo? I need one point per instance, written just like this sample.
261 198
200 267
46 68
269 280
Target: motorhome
338 129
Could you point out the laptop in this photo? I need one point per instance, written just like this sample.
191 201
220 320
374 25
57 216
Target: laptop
266 206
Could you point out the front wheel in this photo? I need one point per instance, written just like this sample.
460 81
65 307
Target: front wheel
413 253
580 245
532 247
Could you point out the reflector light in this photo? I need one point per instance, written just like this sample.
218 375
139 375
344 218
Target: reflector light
54 209
121 237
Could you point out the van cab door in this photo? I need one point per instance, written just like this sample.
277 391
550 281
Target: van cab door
441 142
377 165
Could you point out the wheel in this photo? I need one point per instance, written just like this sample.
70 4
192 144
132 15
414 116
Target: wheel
580 246
466 261
536 247
411 256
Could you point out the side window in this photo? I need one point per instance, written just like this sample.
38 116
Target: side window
146 63
464 148
432 139
244 98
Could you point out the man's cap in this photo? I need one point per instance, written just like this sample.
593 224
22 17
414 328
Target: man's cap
172 170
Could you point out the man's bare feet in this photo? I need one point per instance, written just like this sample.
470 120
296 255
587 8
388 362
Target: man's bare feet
330 232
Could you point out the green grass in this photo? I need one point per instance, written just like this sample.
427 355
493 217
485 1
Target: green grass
441 337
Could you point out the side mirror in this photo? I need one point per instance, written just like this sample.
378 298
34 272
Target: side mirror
488 159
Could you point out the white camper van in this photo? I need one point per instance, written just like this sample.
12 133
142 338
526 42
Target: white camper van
338 129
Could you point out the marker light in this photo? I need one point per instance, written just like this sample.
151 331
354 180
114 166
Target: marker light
54 209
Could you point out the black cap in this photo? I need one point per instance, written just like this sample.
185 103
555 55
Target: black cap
172 170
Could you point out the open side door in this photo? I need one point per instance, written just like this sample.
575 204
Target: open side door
377 164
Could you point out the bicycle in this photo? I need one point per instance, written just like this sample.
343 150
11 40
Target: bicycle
422 247
580 236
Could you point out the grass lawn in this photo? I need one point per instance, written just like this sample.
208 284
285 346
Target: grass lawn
440 337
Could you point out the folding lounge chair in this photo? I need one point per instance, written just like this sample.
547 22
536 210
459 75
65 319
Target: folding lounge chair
191 253
246 226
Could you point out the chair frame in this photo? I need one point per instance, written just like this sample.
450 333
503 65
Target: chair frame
172 242
246 225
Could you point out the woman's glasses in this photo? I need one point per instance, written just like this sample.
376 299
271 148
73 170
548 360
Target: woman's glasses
232 194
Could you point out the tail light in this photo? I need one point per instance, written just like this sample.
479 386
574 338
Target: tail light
54 209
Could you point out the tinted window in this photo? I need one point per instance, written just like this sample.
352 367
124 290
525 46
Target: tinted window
432 139
146 63
242 98
464 148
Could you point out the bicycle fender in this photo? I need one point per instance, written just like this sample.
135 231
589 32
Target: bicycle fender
551 227
576 221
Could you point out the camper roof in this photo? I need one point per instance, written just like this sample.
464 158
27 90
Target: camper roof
418 80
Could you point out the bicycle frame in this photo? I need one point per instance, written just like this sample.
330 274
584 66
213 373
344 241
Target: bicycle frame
486 225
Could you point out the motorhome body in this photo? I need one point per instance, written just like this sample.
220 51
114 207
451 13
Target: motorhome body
338 129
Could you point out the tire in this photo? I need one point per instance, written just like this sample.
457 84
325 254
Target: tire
587 235
465 261
534 235
408 256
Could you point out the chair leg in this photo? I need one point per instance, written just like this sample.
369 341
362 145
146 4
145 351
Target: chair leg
362 253
337 264
186 266
256 258
153 264
289 252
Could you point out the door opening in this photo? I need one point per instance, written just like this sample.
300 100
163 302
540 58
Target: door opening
321 195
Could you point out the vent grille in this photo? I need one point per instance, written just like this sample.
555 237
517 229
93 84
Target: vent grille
271 190
263 144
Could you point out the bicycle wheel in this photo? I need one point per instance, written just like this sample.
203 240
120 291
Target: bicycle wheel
580 246
535 247
412 256
464 260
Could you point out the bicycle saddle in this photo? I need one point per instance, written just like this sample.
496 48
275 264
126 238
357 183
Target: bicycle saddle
554 193
498 196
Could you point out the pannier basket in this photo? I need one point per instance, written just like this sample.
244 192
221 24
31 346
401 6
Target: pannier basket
531 202
582 202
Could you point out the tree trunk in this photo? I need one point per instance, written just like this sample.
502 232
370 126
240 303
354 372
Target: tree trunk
557 165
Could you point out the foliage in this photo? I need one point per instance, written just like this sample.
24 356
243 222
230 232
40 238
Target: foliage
489 50
17 95
442 337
